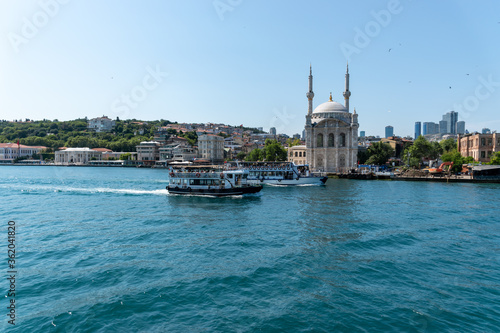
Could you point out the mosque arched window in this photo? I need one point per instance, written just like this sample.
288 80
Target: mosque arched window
342 140
331 140
296 154
319 140
300 154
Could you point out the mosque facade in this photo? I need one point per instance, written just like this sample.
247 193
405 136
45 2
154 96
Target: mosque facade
331 133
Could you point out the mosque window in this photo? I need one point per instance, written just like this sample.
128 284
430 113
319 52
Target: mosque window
342 140
305 153
319 140
296 154
300 154
331 140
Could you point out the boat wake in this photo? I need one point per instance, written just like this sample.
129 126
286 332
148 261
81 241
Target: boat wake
94 190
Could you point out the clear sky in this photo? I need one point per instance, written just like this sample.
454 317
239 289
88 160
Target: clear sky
247 61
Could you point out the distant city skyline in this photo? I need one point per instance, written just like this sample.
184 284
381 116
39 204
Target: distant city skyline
247 62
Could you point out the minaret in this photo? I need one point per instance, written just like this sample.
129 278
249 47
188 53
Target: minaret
347 93
310 93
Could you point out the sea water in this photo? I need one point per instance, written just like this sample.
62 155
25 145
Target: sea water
109 250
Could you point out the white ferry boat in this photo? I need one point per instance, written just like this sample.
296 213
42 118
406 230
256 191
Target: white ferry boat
210 183
277 173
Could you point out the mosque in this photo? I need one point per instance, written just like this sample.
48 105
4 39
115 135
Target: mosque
331 133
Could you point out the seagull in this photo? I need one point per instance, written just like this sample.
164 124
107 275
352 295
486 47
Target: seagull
52 322
390 50
450 87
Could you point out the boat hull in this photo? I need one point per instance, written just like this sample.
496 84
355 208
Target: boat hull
215 192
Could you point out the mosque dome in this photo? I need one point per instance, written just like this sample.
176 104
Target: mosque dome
330 106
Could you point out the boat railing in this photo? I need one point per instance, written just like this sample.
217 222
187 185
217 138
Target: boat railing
193 175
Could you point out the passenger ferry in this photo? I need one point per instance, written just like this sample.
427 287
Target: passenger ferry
278 173
210 182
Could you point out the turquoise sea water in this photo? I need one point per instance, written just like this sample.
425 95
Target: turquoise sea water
108 250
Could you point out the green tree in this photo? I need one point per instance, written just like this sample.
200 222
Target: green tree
456 158
292 142
449 144
422 149
274 151
255 155
379 153
241 156
495 159
126 156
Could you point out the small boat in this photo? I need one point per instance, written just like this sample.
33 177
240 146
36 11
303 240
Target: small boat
278 173
210 183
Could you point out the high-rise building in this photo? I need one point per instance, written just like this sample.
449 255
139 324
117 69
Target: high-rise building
430 128
486 131
389 131
362 134
272 130
451 119
443 127
418 129
461 127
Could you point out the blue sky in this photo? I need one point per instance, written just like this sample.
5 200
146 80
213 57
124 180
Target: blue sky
247 62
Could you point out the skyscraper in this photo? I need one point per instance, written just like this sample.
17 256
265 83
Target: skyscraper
443 126
460 127
362 134
418 129
389 131
451 119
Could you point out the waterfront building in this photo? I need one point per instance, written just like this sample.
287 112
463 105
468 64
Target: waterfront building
297 154
389 131
331 133
211 147
272 131
101 124
418 131
148 152
480 146
77 156
11 151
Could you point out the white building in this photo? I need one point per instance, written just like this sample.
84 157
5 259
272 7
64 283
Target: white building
211 147
331 133
11 151
78 156
101 124
148 152
297 154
